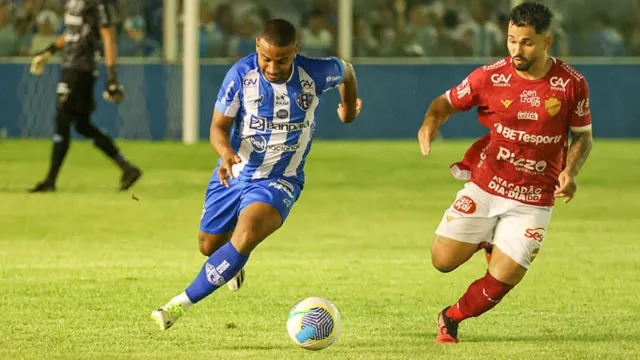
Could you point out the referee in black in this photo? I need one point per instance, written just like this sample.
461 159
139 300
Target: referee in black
87 23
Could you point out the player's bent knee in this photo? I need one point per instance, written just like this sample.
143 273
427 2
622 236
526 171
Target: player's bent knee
256 222
442 263
447 254
209 243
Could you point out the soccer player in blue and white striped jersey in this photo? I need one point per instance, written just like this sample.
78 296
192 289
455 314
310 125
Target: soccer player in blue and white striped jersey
262 129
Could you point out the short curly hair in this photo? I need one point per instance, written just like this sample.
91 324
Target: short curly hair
532 14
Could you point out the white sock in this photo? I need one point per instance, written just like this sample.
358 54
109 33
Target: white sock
182 299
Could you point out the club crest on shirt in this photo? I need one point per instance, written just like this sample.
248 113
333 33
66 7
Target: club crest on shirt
304 100
553 106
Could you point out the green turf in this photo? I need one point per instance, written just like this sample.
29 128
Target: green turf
81 270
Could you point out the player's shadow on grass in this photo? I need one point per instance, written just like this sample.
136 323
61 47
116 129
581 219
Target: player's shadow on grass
553 337
252 347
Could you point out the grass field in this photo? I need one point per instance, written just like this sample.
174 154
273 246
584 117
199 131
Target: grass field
82 269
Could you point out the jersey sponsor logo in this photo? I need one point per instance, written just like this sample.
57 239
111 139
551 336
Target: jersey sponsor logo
257 123
260 145
304 100
249 82
227 92
70 37
530 97
519 135
582 108
483 156
553 106
283 147
465 205
516 192
306 83
527 115
522 164
536 234
260 123
464 88
282 114
558 83
333 78
572 71
506 103
284 186
501 80
282 100
73 20
495 65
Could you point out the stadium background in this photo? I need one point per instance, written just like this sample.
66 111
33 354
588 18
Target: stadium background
406 52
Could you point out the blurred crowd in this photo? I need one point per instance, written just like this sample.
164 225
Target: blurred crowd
381 28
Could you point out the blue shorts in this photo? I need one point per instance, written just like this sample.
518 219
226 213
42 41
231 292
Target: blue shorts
223 205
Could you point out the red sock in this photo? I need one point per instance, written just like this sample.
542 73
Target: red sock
481 296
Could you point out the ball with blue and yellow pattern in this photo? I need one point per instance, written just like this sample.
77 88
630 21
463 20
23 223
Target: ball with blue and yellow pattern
314 323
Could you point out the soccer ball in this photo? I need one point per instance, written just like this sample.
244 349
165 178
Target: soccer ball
314 323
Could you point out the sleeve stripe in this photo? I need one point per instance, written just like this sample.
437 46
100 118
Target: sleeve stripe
580 128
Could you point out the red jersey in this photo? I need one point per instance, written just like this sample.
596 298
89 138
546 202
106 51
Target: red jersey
528 121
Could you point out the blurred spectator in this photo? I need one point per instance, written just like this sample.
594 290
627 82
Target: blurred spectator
315 38
385 28
223 30
133 41
488 39
450 37
247 31
633 39
364 41
9 38
48 23
607 40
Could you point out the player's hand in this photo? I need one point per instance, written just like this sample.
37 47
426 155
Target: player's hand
567 186
225 171
114 93
425 137
39 61
342 111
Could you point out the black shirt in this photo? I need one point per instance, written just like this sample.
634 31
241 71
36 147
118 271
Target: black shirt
83 20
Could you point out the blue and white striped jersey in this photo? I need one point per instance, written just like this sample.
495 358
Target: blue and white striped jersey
275 122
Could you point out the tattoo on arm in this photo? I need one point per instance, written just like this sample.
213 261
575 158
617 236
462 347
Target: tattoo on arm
579 151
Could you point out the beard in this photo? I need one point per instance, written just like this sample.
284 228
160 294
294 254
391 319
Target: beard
524 65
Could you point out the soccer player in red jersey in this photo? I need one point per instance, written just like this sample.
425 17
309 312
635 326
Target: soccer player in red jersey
530 102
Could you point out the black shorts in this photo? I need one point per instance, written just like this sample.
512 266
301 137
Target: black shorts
75 92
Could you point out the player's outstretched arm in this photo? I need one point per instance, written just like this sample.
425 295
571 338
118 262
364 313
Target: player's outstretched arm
439 111
350 107
579 150
221 144
41 59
